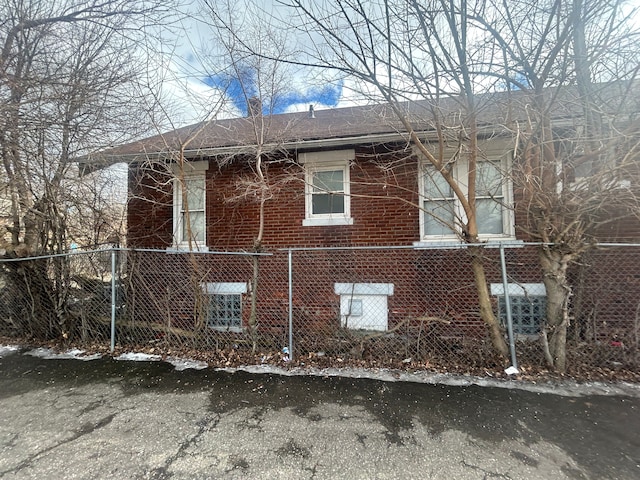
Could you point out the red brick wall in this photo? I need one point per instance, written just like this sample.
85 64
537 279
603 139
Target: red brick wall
150 208
621 225
383 207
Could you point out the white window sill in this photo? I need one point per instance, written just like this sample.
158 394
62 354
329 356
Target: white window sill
324 222
583 183
438 244
185 248
493 242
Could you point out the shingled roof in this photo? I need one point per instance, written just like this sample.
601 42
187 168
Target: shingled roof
354 125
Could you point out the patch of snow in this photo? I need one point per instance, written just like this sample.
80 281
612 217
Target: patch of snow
181 364
8 349
74 354
260 369
567 388
139 357
45 353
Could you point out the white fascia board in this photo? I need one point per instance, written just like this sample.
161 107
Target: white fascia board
103 160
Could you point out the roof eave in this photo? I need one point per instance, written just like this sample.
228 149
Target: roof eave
97 161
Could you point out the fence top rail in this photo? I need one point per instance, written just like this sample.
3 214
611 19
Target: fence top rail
617 245
447 246
174 251
435 246
54 255
118 249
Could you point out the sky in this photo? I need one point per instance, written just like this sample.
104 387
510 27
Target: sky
196 87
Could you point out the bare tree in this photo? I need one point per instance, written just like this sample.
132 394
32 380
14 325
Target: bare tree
575 176
66 74
261 83
258 85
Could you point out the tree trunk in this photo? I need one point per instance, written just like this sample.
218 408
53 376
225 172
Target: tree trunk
484 300
554 331
257 247
253 315
31 303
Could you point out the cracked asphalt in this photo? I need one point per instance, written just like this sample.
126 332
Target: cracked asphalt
142 420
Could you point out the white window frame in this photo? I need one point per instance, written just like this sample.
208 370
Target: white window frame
494 151
314 162
191 171
232 289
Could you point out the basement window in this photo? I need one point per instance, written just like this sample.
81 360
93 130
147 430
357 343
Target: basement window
224 305
528 306
363 306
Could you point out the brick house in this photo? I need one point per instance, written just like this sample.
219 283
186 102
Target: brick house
343 177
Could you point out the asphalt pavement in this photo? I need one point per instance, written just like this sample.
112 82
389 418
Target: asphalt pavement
104 418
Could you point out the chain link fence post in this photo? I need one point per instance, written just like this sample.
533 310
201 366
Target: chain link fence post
113 300
290 265
507 301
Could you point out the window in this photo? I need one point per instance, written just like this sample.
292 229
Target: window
327 200
191 206
224 311
528 306
327 192
442 213
363 306
194 209
490 195
438 204
224 305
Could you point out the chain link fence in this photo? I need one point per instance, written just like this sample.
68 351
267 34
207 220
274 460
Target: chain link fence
375 307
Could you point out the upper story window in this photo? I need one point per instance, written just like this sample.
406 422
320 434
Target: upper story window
442 214
438 203
327 189
189 206
491 190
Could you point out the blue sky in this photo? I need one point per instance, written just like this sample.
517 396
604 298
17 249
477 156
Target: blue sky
244 85
196 77
196 92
